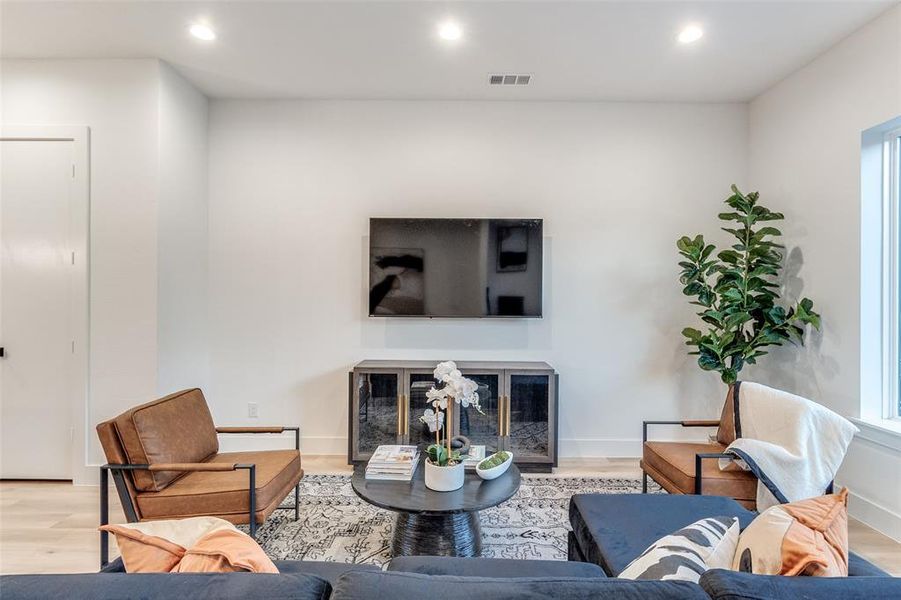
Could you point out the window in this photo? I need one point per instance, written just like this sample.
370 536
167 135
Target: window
891 265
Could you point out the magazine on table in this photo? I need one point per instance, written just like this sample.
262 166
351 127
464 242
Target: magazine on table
393 462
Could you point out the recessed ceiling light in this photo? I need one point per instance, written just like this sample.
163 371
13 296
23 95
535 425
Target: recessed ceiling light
691 33
203 32
450 31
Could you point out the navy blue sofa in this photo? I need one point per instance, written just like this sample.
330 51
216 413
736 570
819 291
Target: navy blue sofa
406 578
608 532
611 530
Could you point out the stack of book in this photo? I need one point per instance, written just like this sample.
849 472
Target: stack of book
395 463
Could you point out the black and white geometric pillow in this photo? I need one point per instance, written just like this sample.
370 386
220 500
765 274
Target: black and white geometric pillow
684 556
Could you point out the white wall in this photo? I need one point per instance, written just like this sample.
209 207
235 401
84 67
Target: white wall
117 99
148 221
293 184
805 155
183 243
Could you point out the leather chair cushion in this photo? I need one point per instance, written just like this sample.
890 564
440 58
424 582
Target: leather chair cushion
224 494
174 429
675 461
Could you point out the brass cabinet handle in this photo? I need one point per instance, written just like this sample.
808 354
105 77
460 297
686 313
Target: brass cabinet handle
507 427
406 410
500 416
400 414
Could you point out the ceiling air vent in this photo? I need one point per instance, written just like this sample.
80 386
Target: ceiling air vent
509 79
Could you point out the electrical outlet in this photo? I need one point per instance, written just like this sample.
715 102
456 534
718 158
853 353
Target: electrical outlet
253 410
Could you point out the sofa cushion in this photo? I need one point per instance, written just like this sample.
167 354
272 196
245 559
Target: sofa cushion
164 586
414 586
732 585
224 493
612 529
493 567
675 462
861 567
175 429
330 571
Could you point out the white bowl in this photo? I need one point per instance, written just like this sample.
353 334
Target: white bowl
495 472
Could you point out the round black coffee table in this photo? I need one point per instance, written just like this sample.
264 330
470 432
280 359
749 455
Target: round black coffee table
436 523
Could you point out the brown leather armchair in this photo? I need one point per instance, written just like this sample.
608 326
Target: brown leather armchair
692 467
165 461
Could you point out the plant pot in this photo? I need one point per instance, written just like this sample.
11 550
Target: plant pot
495 472
444 479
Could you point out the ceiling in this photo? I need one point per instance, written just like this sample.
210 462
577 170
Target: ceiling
391 50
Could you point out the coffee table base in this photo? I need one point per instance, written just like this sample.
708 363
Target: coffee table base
454 534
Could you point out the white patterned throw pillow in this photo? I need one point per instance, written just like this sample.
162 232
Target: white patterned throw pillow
684 556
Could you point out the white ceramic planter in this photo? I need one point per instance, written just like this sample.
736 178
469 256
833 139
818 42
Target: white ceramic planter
497 471
444 479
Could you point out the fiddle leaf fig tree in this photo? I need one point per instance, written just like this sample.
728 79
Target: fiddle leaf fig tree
738 292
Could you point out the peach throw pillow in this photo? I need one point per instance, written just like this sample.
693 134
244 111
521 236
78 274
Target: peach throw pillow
224 551
195 545
809 537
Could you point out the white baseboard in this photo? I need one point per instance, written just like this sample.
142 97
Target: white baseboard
876 516
599 448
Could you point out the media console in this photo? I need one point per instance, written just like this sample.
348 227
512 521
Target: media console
519 401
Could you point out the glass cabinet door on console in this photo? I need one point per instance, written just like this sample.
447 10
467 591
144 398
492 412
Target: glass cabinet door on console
481 429
377 411
418 383
530 415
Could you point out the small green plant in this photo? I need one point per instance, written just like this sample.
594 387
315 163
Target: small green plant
495 460
737 291
439 455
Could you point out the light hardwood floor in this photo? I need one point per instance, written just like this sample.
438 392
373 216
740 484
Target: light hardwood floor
48 527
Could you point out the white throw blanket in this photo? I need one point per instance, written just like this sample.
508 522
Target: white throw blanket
793 445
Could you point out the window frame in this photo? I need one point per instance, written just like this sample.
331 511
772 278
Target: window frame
891 279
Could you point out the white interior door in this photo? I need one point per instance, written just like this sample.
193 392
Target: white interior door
37 331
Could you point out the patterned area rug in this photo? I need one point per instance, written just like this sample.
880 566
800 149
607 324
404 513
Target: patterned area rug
335 525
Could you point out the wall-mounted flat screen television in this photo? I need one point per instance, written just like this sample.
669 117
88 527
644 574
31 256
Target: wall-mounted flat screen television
455 267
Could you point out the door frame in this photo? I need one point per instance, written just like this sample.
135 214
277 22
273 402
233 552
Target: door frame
79 241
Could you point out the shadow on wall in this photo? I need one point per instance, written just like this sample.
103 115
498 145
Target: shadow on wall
791 367
794 368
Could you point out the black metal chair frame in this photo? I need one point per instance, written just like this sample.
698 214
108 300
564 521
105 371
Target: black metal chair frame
118 472
698 457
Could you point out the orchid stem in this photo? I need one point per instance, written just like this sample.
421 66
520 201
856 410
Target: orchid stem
450 403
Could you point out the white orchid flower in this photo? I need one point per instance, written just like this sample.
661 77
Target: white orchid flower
467 387
457 388
436 394
435 420
437 397
444 369
472 399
